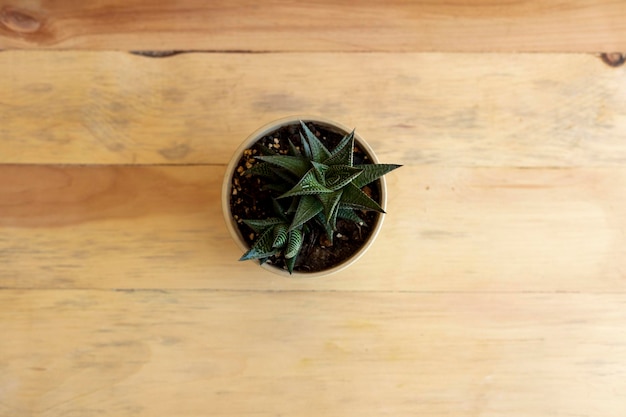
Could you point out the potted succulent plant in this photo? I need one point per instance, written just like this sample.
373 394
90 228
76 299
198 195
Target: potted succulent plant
304 196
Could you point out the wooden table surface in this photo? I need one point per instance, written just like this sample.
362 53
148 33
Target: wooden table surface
497 286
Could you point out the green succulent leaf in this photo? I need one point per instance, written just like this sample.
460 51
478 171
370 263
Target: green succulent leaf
328 227
308 207
294 164
307 185
262 169
306 148
274 174
338 176
262 247
372 172
293 151
293 206
261 225
330 201
343 153
294 243
349 214
290 262
286 176
280 235
320 171
317 148
355 198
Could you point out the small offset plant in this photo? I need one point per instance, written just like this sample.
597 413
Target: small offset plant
315 187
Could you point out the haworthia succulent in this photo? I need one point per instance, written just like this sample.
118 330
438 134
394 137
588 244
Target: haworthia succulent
317 185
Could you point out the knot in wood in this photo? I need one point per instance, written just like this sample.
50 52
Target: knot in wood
613 59
18 21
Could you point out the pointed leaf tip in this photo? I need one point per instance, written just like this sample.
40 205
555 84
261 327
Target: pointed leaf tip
372 172
318 151
294 243
307 185
262 247
343 152
354 197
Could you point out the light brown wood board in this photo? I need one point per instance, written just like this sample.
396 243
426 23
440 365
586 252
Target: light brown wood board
322 25
496 286
446 229
445 109
190 353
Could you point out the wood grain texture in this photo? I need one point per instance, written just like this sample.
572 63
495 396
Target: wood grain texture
446 109
447 229
322 25
496 285
190 353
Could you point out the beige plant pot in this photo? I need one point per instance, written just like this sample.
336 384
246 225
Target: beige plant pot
266 130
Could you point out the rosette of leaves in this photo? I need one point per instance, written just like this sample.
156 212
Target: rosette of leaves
318 186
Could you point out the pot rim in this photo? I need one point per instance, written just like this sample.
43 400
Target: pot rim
263 131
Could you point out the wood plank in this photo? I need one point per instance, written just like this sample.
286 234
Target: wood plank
322 25
447 229
92 353
448 109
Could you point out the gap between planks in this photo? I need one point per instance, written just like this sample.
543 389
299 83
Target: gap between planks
323 25
286 290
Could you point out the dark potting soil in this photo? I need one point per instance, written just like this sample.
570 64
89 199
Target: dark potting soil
249 200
